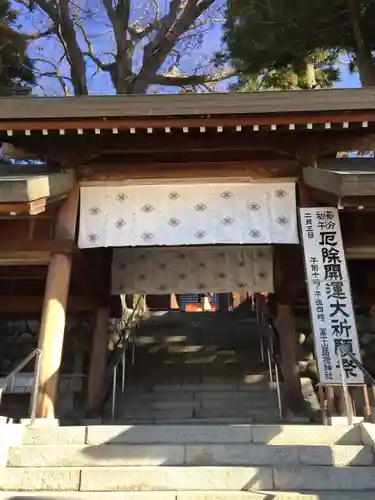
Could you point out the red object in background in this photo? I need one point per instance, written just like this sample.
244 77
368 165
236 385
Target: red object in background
198 308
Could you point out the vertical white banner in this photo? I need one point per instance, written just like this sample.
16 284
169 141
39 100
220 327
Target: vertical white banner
330 297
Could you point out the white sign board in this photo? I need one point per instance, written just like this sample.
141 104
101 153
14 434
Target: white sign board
330 298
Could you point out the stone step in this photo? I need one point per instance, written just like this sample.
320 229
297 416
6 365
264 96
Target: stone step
193 421
236 403
181 394
190 495
115 455
269 415
256 383
262 418
250 383
299 478
195 352
197 434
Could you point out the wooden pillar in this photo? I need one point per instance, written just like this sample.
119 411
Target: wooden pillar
372 314
223 302
285 325
98 362
173 304
51 335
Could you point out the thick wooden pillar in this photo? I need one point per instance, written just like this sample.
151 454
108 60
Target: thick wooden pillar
285 325
98 362
51 335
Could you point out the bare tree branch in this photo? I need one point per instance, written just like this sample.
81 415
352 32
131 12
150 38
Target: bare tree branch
158 50
54 74
36 36
91 53
163 35
58 12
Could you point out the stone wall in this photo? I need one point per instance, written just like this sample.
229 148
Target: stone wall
18 338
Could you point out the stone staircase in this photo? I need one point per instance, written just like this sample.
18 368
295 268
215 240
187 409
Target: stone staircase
188 462
196 368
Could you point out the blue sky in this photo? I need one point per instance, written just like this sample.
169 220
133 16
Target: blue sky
348 79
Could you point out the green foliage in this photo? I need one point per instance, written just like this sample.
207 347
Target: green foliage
289 78
16 69
281 38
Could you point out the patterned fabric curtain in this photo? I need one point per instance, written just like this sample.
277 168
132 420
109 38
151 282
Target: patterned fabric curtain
218 269
188 214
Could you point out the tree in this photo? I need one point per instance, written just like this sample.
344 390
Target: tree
16 69
322 73
276 35
126 45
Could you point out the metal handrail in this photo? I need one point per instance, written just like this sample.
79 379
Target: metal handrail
344 351
128 339
274 365
10 379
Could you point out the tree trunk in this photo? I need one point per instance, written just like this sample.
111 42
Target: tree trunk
310 74
362 52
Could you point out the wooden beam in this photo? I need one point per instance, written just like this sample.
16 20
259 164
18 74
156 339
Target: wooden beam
53 246
23 273
27 188
32 208
32 253
304 145
29 304
98 360
22 258
188 121
51 337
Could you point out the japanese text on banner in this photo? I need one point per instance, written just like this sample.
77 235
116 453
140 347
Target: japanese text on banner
329 292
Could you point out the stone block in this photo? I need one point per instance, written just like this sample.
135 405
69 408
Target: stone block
40 422
76 495
212 386
152 397
96 456
176 478
368 434
239 454
33 479
174 434
231 395
162 404
54 435
337 420
165 388
11 434
316 478
144 412
186 495
341 456
305 434
280 495
269 414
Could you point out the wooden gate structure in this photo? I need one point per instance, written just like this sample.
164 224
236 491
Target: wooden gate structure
151 139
